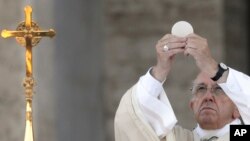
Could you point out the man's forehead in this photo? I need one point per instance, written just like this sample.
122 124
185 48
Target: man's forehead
203 78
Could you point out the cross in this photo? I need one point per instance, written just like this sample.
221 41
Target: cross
28 35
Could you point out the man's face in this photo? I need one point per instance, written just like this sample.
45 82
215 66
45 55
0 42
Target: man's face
211 106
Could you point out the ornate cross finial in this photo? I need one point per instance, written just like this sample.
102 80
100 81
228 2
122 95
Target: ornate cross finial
28 34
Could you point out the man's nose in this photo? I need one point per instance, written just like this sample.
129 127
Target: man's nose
209 96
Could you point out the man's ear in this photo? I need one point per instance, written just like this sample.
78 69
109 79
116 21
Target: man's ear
191 104
236 113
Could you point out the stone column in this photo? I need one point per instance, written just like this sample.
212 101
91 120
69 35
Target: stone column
78 59
237 34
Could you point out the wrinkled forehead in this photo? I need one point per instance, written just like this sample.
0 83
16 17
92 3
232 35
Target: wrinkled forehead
203 78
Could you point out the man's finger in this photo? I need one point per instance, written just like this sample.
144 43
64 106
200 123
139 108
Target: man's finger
175 51
172 45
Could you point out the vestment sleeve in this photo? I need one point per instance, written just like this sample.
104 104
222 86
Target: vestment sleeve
155 105
237 87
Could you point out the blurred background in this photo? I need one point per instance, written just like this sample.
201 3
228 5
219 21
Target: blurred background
100 50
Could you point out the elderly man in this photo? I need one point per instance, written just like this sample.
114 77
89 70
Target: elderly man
221 96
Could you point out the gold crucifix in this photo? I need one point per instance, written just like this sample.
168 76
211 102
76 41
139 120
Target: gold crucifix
28 34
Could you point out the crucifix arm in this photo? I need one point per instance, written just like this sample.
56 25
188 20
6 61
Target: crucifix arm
49 33
7 34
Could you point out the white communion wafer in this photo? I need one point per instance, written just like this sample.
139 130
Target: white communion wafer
182 29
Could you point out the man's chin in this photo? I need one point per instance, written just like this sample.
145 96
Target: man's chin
207 120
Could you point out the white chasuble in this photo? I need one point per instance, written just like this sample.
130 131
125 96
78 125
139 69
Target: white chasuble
130 125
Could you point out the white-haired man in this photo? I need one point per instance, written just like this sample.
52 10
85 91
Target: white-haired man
221 96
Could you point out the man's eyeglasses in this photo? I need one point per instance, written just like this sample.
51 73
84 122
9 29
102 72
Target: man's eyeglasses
201 90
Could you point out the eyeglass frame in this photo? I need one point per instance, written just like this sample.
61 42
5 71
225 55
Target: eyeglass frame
212 90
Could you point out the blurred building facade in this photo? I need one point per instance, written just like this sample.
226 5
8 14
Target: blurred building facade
100 50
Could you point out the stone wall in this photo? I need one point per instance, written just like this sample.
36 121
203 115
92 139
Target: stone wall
12 104
131 30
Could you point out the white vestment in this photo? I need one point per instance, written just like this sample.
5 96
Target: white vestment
138 118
